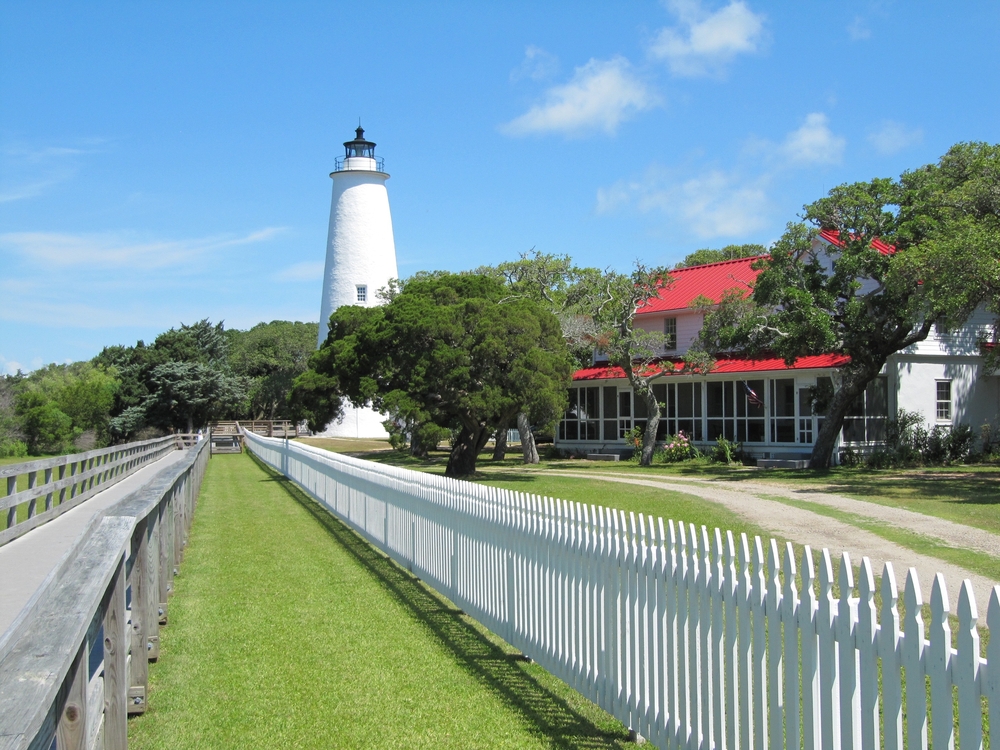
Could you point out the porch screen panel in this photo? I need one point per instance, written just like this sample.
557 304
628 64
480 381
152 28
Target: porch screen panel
783 410
689 410
624 412
750 416
640 410
590 413
876 409
660 392
721 410
867 414
569 427
610 412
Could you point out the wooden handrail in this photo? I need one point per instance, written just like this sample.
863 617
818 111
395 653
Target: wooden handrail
48 689
69 480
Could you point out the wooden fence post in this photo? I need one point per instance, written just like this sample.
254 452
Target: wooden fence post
116 678
139 580
71 729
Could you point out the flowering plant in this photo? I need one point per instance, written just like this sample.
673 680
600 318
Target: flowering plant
676 448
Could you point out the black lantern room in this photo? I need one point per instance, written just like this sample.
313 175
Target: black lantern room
359 146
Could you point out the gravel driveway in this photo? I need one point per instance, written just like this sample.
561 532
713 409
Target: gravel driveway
747 499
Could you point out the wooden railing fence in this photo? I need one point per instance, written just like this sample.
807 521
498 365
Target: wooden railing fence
77 663
66 481
691 638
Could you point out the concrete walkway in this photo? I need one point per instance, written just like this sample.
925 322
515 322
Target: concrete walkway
786 522
27 561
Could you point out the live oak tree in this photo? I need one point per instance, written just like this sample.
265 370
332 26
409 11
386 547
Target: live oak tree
554 282
449 349
729 252
935 258
610 302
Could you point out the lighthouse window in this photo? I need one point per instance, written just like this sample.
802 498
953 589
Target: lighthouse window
362 292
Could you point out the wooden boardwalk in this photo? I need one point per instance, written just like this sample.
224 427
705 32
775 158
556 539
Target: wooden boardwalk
26 562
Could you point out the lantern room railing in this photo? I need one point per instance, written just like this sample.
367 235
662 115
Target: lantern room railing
342 164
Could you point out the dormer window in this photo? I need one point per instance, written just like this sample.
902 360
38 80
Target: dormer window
362 292
670 334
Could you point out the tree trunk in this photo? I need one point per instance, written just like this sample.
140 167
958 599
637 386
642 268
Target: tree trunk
500 442
528 449
190 424
641 388
462 461
833 421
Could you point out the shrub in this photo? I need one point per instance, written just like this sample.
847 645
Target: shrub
725 451
675 448
13 449
908 441
960 442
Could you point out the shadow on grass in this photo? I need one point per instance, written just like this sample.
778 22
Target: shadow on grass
501 671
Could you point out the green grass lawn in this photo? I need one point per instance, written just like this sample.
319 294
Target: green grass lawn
964 494
627 497
288 631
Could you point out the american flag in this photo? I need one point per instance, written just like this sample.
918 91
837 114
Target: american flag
752 396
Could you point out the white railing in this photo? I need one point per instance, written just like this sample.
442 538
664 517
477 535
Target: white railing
690 638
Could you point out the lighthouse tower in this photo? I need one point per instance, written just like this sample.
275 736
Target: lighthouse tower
360 256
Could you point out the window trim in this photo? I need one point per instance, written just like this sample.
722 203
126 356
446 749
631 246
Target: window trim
361 291
938 401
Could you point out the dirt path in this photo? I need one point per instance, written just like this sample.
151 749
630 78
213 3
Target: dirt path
819 531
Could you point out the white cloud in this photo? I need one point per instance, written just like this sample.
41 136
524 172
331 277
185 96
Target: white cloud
26 190
9 366
601 95
306 271
813 143
706 42
118 250
29 171
537 65
891 137
858 30
711 204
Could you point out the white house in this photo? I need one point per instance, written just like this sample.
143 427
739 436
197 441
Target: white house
763 403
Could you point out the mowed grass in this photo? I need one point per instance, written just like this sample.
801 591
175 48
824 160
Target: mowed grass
963 494
631 498
288 631
347 445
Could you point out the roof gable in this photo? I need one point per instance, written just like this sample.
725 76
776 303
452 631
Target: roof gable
711 280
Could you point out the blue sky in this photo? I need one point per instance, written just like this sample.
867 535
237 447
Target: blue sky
165 162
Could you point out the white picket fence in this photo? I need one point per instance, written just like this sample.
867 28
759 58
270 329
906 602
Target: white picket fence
694 639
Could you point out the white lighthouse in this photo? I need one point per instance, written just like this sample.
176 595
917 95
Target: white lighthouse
360 256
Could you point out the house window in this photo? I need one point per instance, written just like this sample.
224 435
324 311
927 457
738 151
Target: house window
944 400
736 410
362 292
670 334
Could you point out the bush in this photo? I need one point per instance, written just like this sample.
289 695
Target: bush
675 448
13 449
725 451
909 442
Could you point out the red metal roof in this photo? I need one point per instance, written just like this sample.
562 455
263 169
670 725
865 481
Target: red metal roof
833 237
722 366
710 280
